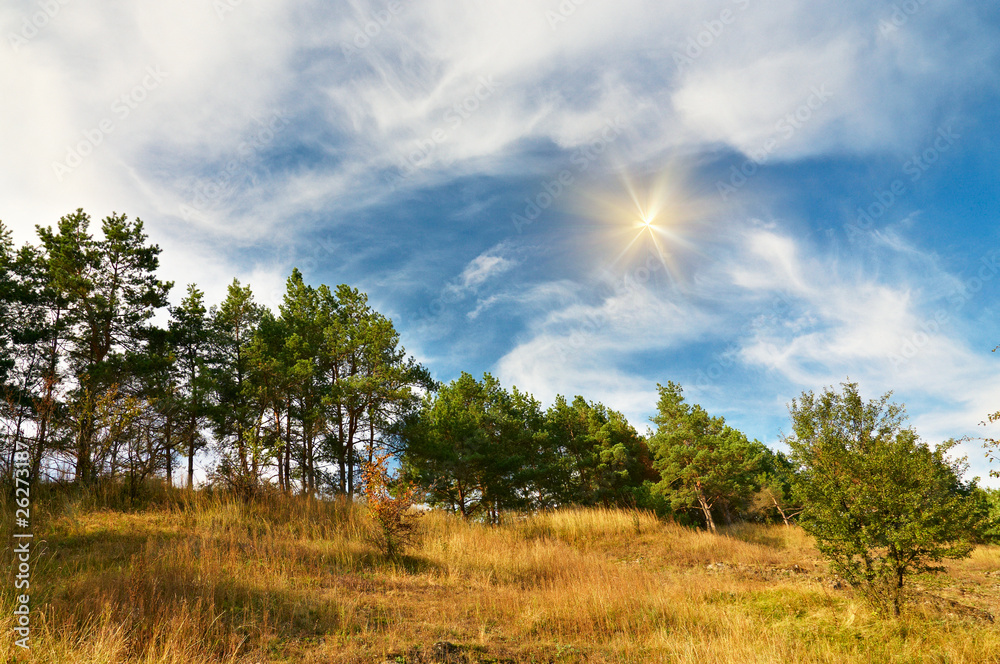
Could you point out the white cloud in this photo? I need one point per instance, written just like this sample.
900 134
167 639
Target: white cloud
440 89
799 319
578 347
484 267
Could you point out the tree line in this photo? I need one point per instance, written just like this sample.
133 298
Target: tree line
101 380
95 390
882 504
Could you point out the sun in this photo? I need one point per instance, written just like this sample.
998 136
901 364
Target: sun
650 218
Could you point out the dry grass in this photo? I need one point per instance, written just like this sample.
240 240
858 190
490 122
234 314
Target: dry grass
208 579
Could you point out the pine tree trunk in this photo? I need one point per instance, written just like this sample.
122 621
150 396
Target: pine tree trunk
288 451
169 461
707 510
192 434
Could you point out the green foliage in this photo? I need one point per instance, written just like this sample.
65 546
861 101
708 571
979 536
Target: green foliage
235 414
372 381
475 447
990 501
109 291
703 463
7 288
881 504
309 393
774 499
31 327
189 340
593 456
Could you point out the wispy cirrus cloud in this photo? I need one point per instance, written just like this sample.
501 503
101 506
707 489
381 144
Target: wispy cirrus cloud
404 137
780 310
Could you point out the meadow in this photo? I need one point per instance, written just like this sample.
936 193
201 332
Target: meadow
194 577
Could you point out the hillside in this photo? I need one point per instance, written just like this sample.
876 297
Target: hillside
193 577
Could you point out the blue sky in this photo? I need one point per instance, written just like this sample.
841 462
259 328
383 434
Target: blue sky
820 180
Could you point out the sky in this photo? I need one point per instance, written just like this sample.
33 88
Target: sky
579 196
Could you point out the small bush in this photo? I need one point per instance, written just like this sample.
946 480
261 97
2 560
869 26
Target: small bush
389 506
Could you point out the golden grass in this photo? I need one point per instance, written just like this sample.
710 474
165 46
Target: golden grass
209 579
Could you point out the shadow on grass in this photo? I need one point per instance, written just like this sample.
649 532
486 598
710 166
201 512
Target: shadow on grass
139 583
754 534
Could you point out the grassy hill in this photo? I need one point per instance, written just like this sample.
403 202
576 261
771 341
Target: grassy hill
199 578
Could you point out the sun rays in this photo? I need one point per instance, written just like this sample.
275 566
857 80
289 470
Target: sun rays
647 217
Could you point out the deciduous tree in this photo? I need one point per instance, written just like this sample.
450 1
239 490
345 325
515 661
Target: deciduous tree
882 504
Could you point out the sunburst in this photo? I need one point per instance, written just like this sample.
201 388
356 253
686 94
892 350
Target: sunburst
656 214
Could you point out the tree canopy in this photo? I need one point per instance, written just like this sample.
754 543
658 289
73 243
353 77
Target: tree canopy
882 504
102 381
703 463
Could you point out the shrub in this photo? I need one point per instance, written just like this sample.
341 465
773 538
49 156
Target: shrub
389 506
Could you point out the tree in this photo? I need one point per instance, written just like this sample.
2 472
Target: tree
991 500
703 463
296 359
111 292
7 291
389 501
369 382
592 456
237 412
158 383
273 377
775 497
189 337
475 447
881 504
32 327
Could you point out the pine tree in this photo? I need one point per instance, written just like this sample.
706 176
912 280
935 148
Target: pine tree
237 410
189 338
111 292
593 456
703 463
